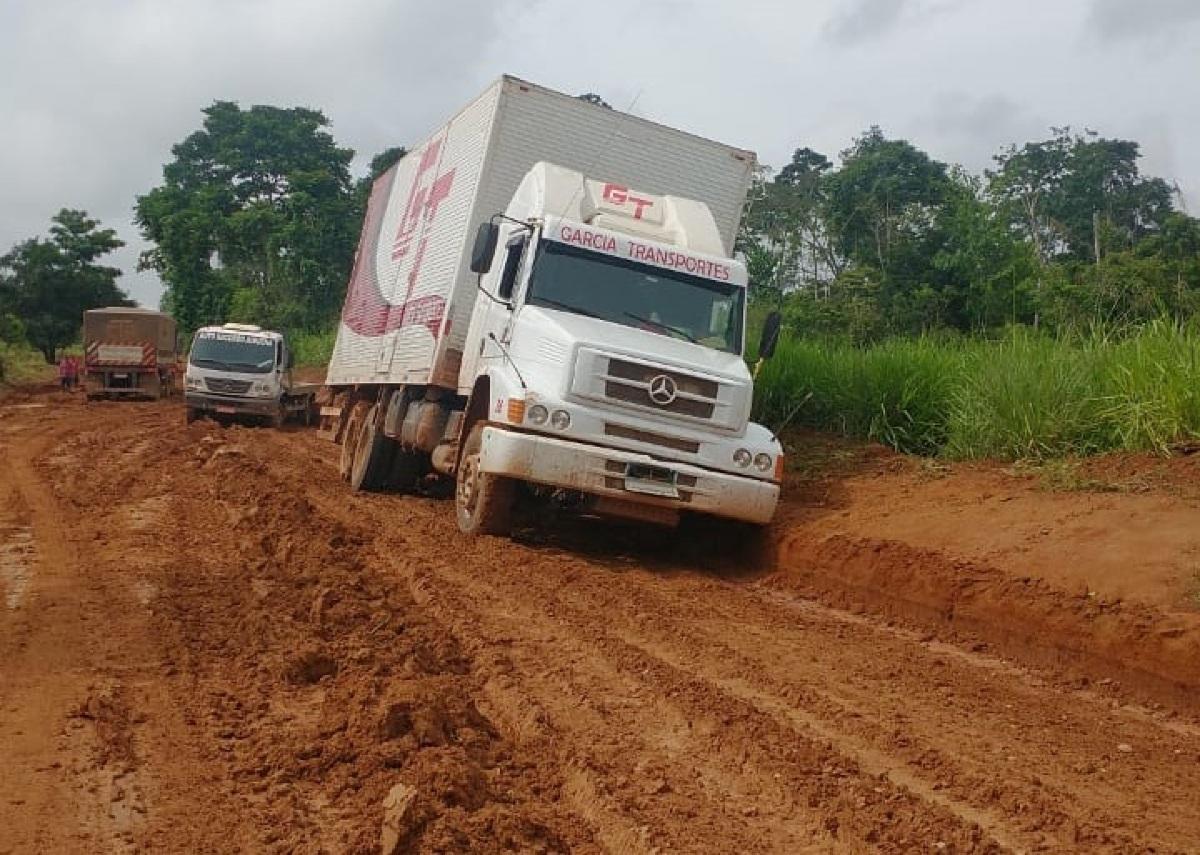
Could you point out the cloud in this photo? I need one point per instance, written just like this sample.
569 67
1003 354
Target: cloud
970 128
96 93
1125 20
862 20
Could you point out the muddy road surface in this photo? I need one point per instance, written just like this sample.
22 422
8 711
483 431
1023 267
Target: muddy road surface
209 644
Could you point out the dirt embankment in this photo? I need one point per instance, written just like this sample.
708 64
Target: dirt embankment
1090 568
212 645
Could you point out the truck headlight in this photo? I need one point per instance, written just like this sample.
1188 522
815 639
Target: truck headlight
537 414
560 419
762 462
742 457
262 388
193 382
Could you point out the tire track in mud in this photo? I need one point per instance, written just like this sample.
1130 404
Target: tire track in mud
300 649
917 740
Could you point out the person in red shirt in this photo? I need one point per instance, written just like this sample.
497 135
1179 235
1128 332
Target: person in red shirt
64 372
72 372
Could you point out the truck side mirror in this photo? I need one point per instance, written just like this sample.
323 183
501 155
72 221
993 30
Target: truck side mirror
770 336
485 247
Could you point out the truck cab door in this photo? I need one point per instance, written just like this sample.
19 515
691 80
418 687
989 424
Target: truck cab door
494 309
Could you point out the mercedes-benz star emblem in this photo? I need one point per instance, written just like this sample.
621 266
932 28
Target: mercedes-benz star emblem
662 389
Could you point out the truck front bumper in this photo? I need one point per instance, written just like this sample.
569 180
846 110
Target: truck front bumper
231 404
611 474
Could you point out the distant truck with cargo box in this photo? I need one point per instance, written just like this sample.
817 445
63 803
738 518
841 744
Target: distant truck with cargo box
128 352
544 301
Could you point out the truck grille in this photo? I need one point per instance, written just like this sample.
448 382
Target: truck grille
631 382
666 391
226 386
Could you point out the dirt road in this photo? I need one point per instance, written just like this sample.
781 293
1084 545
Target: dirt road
208 644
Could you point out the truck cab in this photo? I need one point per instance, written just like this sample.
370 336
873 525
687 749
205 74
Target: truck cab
604 360
240 370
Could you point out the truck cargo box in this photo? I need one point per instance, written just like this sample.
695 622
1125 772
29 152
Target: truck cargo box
123 335
409 300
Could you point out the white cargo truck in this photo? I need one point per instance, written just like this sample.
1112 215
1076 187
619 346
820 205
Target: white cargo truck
242 371
544 303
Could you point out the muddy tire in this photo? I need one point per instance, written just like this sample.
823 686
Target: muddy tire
190 414
483 502
350 437
279 417
372 455
407 469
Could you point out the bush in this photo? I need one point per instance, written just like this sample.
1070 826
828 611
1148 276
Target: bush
1025 395
313 348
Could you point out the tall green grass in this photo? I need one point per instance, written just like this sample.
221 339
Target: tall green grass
313 348
1022 396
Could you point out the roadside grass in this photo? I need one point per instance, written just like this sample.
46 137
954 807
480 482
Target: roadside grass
20 364
1025 396
313 349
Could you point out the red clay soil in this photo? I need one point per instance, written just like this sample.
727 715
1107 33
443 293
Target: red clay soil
209 644
1087 566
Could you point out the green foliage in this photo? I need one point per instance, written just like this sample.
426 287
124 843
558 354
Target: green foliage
46 284
20 363
256 219
1063 234
313 348
1026 395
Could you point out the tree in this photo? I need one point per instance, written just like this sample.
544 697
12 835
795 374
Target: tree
47 284
784 230
256 219
385 160
882 199
1075 196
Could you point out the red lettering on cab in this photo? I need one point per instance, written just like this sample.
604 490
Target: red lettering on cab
619 195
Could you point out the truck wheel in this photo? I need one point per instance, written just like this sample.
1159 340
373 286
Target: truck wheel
372 455
190 414
407 469
482 502
279 417
350 436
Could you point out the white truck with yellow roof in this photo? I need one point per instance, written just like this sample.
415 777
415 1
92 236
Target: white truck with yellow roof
544 303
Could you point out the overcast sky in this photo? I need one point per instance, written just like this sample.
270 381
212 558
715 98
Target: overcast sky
93 93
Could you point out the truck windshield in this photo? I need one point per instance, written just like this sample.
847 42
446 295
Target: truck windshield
233 352
637 295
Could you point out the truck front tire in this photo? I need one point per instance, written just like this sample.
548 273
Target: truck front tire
483 502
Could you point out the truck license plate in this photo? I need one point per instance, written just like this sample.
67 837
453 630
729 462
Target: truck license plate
650 480
120 376
226 411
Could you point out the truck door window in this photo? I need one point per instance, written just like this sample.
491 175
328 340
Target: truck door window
512 263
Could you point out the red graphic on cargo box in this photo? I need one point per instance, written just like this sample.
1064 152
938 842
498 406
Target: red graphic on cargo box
367 312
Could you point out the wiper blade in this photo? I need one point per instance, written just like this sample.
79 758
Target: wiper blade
660 325
212 363
566 307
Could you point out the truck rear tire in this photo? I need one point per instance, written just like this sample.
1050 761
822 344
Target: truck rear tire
372 455
350 437
406 470
483 502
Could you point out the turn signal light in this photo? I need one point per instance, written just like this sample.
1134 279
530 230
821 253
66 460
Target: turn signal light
516 410
779 468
